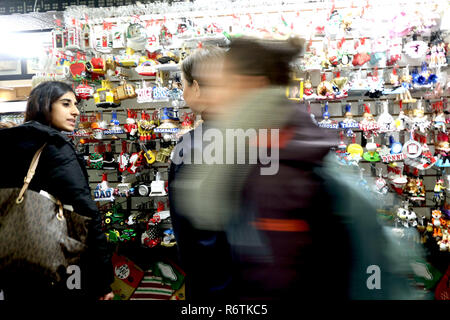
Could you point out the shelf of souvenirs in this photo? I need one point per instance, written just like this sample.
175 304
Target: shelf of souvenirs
364 95
155 105
351 68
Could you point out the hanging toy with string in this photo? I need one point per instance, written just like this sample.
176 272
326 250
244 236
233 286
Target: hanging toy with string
103 192
402 119
372 154
362 56
187 125
327 123
349 123
313 117
442 150
425 160
84 127
325 89
420 120
341 151
114 126
381 187
376 84
124 157
424 78
95 160
393 153
84 91
355 152
439 119
368 125
109 162
308 90
340 86
396 177
394 78
412 148
385 120
131 127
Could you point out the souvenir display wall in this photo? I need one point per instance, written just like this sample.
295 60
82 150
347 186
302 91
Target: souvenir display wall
377 77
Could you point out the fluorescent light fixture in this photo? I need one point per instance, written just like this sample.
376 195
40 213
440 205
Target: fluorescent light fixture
24 44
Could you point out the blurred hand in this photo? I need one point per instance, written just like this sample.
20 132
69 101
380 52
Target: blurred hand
108 296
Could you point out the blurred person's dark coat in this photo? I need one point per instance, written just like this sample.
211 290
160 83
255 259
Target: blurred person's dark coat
62 173
204 254
297 234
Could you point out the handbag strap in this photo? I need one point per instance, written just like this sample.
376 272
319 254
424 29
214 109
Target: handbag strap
30 174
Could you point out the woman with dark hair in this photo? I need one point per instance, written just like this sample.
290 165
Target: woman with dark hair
61 172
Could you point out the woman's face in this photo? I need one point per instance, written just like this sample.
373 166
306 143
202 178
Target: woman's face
65 112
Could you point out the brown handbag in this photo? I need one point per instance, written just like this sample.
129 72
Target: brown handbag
38 234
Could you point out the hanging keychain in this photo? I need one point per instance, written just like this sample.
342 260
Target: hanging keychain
95 160
135 162
385 120
355 151
381 186
108 159
327 122
124 157
371 155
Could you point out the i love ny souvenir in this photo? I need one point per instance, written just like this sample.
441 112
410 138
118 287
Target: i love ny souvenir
84 91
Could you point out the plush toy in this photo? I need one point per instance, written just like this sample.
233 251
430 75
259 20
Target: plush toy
437 222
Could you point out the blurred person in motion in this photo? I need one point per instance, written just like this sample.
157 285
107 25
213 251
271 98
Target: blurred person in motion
296 230
61 172
204 254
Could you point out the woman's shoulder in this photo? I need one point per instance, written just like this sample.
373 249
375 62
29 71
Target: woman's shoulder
33 131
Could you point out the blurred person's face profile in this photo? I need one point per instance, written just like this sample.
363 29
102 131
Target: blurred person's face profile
191 95
205 92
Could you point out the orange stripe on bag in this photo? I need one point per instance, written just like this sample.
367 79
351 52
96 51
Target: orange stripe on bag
283 225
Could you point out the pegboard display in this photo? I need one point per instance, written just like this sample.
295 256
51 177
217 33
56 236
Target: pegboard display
378 79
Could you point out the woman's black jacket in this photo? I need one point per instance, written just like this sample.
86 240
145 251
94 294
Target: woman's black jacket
62 173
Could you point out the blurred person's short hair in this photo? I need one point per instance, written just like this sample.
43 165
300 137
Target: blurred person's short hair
262 57
201 63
